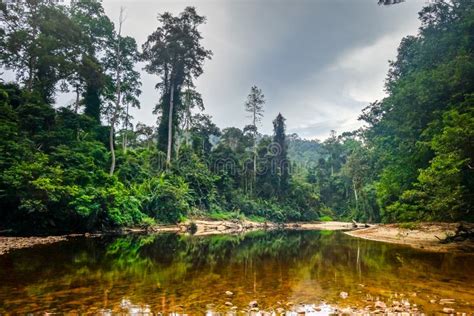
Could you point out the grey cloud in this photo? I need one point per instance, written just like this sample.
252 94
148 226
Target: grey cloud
300 52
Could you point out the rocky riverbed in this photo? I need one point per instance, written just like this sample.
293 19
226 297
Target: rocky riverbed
399 305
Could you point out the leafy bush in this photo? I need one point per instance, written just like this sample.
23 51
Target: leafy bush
326 218
166 197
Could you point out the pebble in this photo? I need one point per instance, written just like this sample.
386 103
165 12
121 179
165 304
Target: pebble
253 304
448 310
446 301
343 295
380 304
228 304
229 293
398 309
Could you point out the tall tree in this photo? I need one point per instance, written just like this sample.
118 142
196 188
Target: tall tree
254 106
40 44
98 41
123 88
282 164
174 52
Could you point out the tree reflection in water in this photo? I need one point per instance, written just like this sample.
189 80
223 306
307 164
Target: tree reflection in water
176 273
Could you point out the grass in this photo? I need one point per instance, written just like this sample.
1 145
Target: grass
223 216
255 218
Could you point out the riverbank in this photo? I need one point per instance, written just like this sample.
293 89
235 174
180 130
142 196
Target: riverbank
425 236
10 243
203 227
197 227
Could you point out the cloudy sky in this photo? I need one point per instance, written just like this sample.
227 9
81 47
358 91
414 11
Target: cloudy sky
318 62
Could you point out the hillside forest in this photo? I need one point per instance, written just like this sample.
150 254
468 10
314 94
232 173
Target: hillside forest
89 166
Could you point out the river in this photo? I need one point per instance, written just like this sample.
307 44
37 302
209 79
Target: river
184 274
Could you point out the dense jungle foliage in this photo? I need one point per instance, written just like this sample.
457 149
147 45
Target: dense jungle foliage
85 166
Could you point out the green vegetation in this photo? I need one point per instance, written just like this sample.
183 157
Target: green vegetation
326 218
71 168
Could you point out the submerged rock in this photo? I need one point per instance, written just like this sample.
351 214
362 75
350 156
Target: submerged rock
448 310
444 301
253 304
343 295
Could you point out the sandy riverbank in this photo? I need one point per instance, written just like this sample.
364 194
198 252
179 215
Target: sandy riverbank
424 236
207 227
203 228
9 243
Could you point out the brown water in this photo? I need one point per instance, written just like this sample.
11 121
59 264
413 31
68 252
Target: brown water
172 273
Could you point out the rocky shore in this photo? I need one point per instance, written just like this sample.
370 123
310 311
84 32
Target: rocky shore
198 227
10 243
427 236
424 236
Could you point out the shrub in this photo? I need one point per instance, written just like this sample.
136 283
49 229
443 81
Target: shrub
326 218
165 198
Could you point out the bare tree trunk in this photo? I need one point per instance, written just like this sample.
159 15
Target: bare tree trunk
254 147
125 136
76 105
355 191
170 126
112 150
117 104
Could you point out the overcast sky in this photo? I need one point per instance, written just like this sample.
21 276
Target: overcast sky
318 62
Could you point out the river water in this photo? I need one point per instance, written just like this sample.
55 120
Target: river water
168 273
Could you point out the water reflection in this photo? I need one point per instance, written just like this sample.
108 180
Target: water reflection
183 274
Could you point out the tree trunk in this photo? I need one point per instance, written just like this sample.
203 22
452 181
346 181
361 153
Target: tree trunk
255 146
355 192
112 150
117 104
76 106
125 136
170 126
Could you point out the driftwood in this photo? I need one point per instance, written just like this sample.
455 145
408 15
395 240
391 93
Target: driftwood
462 233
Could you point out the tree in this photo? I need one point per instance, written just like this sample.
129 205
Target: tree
124 83
254 106
99 40
202 130
174 52
192 99
281 155
32 47
431 76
